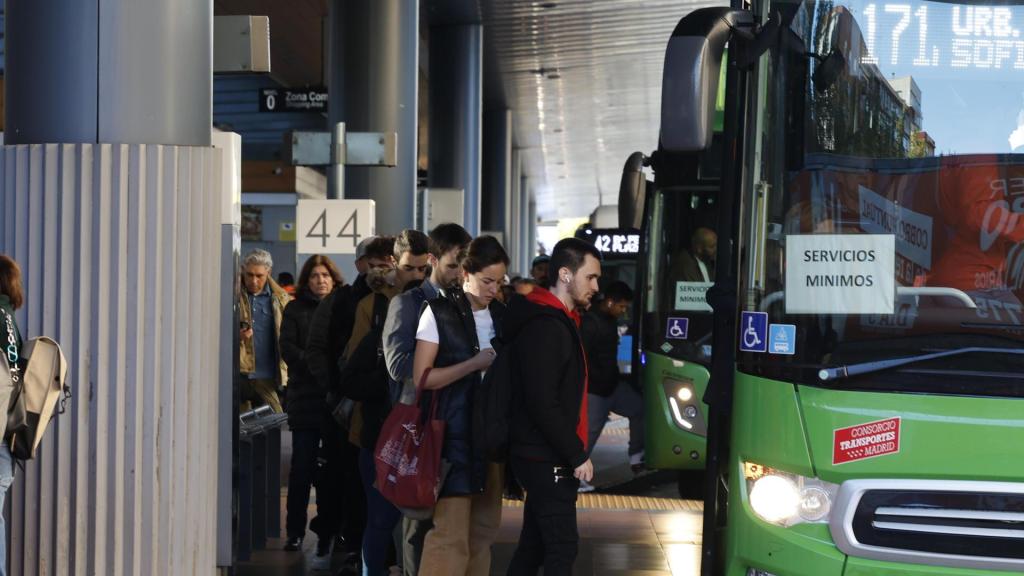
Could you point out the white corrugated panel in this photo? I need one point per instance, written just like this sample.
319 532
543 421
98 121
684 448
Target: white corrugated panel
119 247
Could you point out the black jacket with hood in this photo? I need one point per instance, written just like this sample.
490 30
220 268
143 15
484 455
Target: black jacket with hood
551 377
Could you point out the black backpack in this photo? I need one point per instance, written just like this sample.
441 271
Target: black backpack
359 375
492 408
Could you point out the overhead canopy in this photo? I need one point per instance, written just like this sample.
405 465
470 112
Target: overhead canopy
584 80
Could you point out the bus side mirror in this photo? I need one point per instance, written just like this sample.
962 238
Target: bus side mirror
689 87
632 191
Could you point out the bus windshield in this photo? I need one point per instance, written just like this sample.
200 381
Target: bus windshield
883 216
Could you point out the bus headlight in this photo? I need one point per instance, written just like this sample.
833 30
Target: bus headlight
683 405
786 499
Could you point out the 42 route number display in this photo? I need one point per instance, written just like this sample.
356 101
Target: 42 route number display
333 226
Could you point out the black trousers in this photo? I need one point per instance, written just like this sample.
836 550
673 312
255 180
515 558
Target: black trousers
305 450
549 537
323 457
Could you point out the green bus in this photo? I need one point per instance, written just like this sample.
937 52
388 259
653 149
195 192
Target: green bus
672 320
860 378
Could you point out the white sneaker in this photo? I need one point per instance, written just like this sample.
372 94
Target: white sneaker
585 487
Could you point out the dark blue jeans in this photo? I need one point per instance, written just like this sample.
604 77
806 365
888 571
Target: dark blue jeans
381 519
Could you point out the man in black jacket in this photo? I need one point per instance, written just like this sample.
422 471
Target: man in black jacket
609 391
548 429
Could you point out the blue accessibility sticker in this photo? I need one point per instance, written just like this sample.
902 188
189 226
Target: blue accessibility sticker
754 332
676 328
782 338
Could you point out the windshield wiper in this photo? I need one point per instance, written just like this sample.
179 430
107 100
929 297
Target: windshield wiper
826 374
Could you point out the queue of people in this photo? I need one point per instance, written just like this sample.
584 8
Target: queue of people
433 312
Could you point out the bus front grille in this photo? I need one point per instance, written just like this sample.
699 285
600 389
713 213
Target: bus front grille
963 524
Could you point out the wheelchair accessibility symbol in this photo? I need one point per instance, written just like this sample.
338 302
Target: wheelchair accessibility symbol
754 332
676 328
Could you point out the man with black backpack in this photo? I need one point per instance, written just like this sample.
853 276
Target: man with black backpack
364 378
548 420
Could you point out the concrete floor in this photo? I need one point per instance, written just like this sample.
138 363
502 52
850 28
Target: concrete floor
642 542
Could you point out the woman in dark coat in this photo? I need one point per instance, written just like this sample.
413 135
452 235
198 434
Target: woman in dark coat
306 400
455 344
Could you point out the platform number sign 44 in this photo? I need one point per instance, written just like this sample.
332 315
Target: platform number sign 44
333 226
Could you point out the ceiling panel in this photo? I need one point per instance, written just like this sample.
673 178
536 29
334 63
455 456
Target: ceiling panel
584 80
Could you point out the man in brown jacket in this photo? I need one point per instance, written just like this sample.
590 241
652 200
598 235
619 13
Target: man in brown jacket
260 309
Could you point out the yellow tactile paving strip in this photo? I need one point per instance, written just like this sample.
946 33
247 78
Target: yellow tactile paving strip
618 502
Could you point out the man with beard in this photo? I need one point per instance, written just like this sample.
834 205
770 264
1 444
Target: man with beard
447 242
548 427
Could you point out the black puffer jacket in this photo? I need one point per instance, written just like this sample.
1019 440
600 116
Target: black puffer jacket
549 382
458 343
329 332
306 405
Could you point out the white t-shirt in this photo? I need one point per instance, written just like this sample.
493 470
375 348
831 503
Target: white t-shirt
427 330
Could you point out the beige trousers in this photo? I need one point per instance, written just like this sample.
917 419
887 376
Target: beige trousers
464 529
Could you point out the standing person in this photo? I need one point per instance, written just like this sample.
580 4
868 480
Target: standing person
539 269
359 287
523 286
365 379
548 444
287 283
308 415
11 298
608 391
261 309
454 346
330 336
447 243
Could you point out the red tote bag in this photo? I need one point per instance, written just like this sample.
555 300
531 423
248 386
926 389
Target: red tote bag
408 454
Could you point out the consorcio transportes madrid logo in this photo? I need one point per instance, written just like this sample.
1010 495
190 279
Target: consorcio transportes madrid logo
865 441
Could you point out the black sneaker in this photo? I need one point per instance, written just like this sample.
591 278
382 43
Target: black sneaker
323 547
293 545
352 565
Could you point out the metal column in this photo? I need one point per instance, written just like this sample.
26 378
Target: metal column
531 228
456 100
495 200
513 220
526 250
110 204
68 78
374 81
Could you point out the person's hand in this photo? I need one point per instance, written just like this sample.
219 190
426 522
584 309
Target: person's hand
245 334
585 471
483 359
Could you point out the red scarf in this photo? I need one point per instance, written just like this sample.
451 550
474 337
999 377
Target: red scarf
543 297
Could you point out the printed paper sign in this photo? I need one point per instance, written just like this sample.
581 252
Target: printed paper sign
754 332
677 328
913 230
692 296
782 338
866 441
840 274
